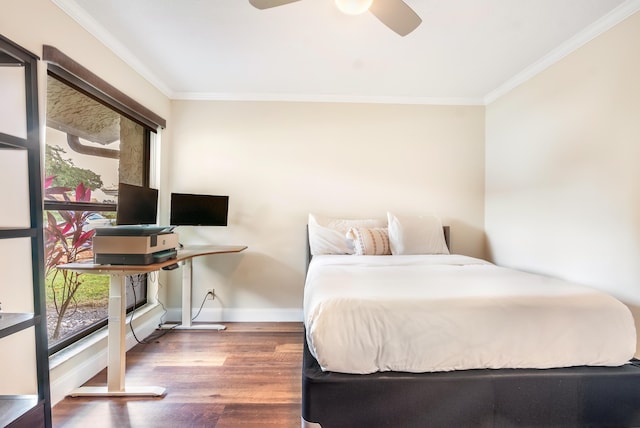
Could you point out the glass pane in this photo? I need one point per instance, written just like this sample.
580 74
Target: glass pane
74 301
16 292
90 145
71 168
88 306
18 369
15 192
13 101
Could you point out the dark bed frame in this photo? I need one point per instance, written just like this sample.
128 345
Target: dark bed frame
564 397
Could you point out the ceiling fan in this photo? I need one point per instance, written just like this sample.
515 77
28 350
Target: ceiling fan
395 14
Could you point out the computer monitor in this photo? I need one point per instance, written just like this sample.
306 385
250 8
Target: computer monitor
198 210
136 205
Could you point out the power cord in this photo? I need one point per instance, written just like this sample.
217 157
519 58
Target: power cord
157 297
203 301
153 337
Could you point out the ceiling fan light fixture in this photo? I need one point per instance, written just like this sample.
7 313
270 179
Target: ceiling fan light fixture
353 7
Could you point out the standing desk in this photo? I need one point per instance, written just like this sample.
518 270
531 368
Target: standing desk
116 359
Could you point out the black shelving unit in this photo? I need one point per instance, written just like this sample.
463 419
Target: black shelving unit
32 410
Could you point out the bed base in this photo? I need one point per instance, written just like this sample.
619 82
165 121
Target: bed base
567 397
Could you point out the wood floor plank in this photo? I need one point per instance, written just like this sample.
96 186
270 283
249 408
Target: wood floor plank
246 376
240 415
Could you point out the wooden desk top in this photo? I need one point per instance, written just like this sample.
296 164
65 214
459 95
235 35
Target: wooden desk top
188 252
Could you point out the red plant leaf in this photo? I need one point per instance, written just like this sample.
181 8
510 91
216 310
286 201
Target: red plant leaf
51 220
67 216
83 194
79 192
66 228
55 261
84 237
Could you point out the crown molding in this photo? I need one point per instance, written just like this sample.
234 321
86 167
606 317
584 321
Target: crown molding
602 25
71 8
317 98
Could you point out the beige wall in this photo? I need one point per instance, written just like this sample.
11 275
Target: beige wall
563 183
278 161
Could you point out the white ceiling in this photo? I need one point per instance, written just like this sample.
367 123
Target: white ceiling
464 52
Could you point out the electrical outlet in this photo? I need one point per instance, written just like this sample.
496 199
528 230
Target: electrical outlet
211 293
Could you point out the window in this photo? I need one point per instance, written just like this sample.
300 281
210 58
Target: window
94 139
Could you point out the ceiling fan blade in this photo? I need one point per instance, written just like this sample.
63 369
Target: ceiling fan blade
266 4
396 14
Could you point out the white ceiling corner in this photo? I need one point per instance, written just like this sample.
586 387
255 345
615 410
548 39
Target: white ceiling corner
598 27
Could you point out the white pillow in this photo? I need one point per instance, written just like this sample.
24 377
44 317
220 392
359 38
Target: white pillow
416 235
370 241
328 235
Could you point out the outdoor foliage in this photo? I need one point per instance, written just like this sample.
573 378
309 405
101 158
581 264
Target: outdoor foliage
66 242
65 173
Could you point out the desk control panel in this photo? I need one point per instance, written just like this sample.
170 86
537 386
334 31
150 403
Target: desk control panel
171 267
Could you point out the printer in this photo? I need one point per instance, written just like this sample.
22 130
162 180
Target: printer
134 245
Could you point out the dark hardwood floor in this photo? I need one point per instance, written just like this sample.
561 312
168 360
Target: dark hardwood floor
246 376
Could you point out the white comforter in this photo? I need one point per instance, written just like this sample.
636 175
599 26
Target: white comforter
365 314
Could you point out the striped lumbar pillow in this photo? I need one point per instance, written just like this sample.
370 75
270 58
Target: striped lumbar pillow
370 241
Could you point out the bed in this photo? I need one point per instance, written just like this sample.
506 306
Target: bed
441 340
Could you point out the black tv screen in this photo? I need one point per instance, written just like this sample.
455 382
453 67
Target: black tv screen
198 210
136 205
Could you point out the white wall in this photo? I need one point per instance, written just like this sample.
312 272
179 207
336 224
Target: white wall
563 183
278 161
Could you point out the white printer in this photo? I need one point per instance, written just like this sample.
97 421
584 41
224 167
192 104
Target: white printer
134 244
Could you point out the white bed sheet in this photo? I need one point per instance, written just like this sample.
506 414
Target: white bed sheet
365 314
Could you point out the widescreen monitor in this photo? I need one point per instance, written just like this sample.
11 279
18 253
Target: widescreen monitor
198 210
136 205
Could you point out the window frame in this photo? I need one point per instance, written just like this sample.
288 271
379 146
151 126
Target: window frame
71 73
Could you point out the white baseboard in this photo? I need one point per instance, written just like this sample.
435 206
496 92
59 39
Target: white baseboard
239 315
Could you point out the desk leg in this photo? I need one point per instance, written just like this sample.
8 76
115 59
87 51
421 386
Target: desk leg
187 324
187 271
116 357
116 361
